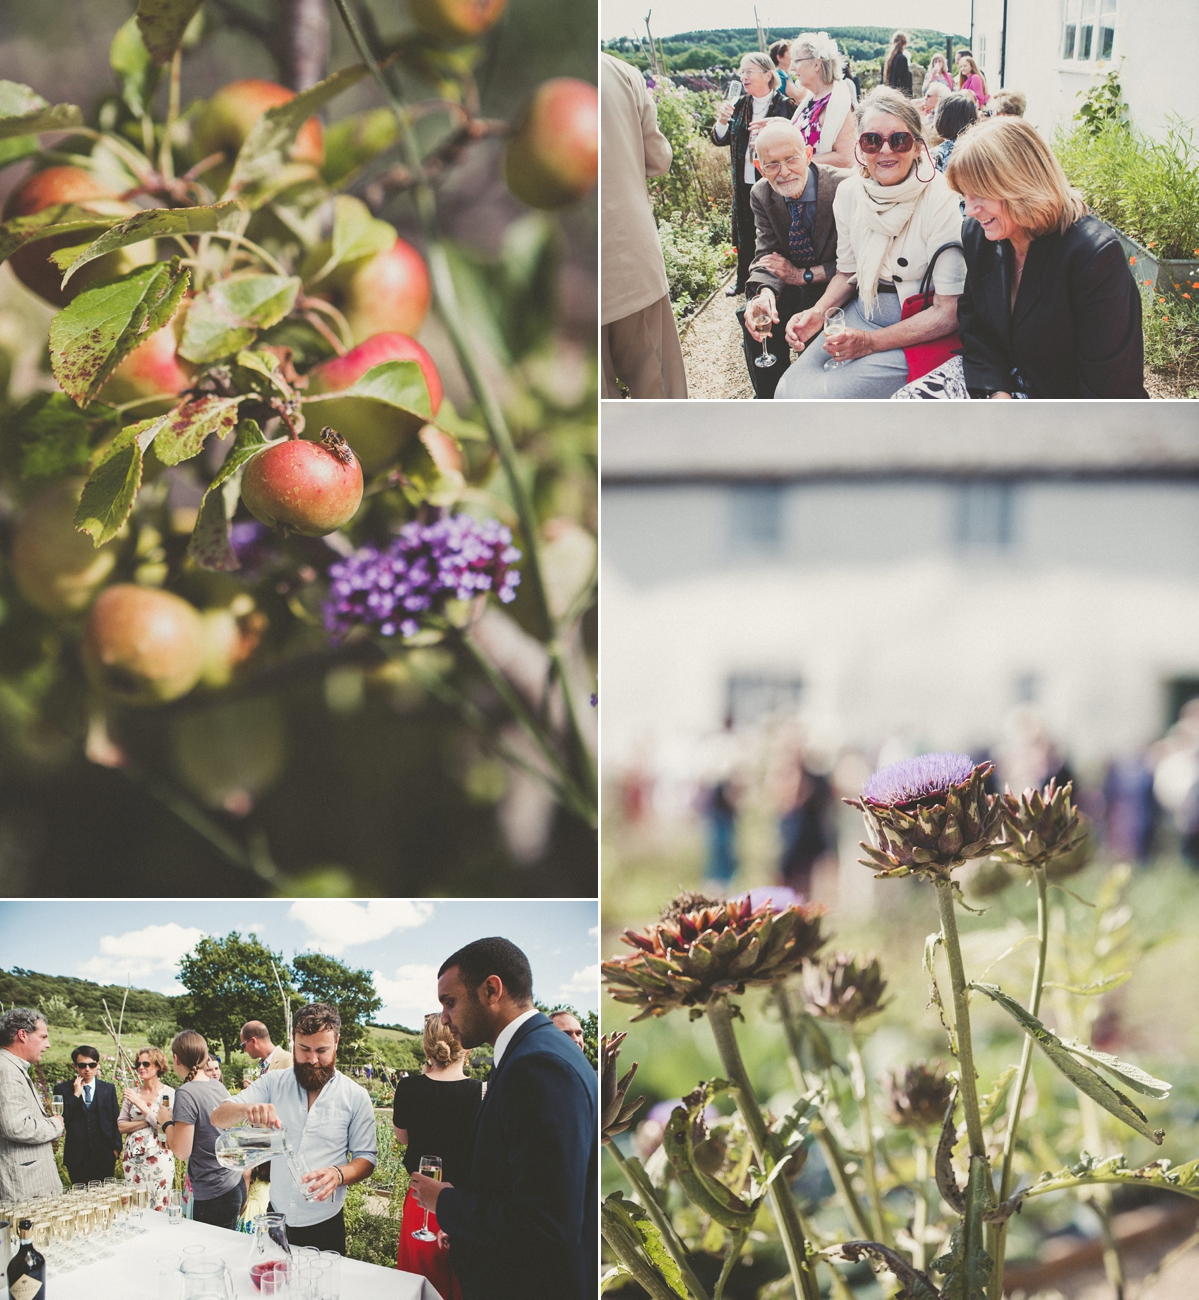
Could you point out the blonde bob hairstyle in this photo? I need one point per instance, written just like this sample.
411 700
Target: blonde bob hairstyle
157 1057
765 63
819 45
441 1047
882 99
1005 158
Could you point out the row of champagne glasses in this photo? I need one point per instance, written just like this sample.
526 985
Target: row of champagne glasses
83 1224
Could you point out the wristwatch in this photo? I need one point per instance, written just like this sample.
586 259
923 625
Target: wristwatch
807 275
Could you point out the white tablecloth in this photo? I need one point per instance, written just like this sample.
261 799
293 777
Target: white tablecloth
132 1272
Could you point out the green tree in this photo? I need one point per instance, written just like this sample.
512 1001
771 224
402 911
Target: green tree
228 982
324 979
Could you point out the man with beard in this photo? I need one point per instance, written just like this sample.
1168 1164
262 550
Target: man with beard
525 1222
796 250
327 1119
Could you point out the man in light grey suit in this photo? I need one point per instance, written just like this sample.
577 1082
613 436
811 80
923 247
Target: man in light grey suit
27 1134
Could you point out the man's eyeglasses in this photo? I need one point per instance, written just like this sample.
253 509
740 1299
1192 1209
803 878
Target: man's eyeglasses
900 141
795 163
87 1065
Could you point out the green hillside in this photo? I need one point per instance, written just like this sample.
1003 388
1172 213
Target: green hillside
30 989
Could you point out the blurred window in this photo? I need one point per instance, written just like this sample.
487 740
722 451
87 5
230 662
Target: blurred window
984 516
756 517
754 696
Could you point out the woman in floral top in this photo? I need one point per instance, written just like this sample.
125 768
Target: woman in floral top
147 1160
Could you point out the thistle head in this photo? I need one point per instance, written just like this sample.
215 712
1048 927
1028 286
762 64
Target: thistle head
844 989
702 947
615 1113
1043 828
917 1097
928 815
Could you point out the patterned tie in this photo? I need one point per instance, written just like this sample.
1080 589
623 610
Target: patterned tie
799 242
87 1094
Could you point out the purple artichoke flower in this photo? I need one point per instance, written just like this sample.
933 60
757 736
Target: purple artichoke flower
423 568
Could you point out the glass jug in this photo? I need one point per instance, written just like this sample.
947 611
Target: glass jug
269 1249
206 1279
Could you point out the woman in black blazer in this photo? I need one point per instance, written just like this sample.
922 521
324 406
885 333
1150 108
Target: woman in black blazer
1050 307
736 126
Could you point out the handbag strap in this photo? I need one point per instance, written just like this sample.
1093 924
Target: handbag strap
926 281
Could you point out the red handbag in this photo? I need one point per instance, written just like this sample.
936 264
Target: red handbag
923 357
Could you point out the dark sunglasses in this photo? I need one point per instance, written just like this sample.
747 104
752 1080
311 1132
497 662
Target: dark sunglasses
144 1065
87 1065
900 141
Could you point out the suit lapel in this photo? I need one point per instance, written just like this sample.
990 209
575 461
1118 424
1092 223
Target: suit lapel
993 288
1031 281
822 227
780 219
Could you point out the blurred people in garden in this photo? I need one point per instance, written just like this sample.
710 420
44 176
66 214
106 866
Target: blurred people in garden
805 825
970 79
719 806
27 1133
569 1024
1007 103
639 339
1050 307
257 1045
1176 778
433 1114
146 1159
826 116
933 94
893 215
938 74
1129 808
897 71
780 56
736 128
795 253
89 1112
955 112
851 79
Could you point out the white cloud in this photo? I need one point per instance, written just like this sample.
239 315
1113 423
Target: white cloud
409 997
256 928
148 957
594 932
585 981
335 924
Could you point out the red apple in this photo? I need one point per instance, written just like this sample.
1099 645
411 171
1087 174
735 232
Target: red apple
311 488
32 265
455 20
375 431
56 567
387 292
553 157
143 645
225 121
151 368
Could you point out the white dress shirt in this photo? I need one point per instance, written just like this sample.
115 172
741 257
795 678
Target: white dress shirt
505 1034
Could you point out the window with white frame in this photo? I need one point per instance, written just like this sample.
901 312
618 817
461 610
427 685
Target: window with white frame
1088 30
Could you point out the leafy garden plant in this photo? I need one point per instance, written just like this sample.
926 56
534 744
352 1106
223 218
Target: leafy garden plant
247 458
927 1199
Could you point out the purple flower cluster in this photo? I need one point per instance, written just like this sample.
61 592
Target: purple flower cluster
916 778
426 565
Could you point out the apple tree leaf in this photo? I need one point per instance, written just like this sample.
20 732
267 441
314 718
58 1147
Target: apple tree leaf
110 492
400 384
58 219
162 24
54 437
151 225
356 234
226 318
209 546
134 68
92 334
190 424
24 112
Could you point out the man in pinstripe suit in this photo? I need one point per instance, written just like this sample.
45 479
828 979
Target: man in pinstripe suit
27 1134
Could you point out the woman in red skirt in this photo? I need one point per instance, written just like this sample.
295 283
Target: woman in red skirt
434 1115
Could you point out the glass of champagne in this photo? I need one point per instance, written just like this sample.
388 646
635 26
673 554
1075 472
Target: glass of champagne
141 1198
64 1232
103 1223
767 359
430 1166
175 1207
43 1234
834 325
56 1105
83 1228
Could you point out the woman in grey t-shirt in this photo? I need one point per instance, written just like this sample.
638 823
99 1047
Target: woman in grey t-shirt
218 1193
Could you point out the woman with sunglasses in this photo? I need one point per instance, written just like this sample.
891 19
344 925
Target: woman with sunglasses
737 125
147 1159
826 116
892 216
1051 308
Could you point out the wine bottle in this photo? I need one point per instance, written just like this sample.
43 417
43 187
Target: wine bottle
27 1268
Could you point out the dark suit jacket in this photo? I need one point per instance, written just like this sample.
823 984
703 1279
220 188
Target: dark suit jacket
526 1224
773 222
1076 327
105 1136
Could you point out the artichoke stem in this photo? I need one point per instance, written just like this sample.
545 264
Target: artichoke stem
861 1089
961 1017
920 1210
782 1203
639 1181
998 1244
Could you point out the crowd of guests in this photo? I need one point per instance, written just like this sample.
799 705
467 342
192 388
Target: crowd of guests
902 245
514 1213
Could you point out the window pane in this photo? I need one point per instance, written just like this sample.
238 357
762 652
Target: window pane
984 516
756 517
1088 11
1107 38
1068 41
1107 7
1084 43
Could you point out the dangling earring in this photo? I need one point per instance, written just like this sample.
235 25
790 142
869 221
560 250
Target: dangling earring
932 164
856 159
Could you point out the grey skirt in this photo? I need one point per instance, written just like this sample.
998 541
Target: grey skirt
878 375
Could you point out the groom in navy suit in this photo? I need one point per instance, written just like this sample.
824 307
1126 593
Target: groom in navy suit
525 1224
89 1112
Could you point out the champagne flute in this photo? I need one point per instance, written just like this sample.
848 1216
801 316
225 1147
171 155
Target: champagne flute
43 1233
64 1231
834 326
767 359
103 1222
430 1166
141 1198
83 1228
56 1105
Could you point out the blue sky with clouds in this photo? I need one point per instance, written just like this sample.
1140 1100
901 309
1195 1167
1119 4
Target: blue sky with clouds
401 941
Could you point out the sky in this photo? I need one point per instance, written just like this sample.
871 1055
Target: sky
401 941
627 17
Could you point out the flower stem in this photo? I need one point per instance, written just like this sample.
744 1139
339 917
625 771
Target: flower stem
861 1090
644 1189
961 1017
999 1237
786 1214
920 1212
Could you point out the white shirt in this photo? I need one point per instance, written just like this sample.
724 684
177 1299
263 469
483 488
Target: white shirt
761 104
505 1034
341 1120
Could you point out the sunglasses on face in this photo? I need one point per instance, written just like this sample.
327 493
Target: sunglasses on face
87 1065
900 141
144 1065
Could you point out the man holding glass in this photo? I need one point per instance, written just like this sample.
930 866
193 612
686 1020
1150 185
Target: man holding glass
329 1121
90 1112
795 253
27 1134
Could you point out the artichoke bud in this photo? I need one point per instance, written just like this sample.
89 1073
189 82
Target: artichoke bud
615 1112
1043 828
918 1096
839 988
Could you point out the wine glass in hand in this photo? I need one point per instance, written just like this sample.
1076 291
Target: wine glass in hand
834 325
430 1166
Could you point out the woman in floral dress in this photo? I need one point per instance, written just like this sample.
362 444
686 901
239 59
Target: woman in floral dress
146 1158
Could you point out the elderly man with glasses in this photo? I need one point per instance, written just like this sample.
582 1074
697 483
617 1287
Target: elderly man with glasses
796 249
90 1112
27 1133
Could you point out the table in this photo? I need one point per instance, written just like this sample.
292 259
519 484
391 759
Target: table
132 1272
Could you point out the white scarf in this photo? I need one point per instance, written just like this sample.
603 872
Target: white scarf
880 214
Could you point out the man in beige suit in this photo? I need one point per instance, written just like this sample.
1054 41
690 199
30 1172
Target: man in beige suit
27 1135
257 1045
639 339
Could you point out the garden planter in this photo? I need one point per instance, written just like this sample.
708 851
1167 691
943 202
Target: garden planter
1165 276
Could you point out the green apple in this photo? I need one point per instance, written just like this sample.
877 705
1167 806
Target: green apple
57 568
